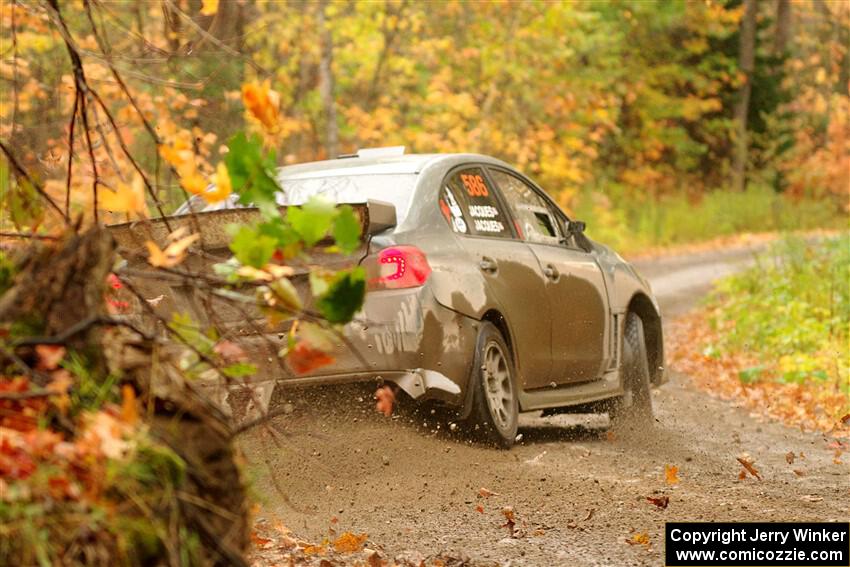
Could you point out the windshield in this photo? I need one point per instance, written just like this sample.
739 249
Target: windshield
391 187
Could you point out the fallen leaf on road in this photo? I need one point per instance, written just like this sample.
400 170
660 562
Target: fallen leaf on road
536 459
748 466
789 457
639 539
610 436
479 509
799 472
671 474
349 542
485 493
373 558
660 501
811 498
510 522
590 512
259 541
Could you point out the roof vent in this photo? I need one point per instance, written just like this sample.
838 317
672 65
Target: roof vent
389 151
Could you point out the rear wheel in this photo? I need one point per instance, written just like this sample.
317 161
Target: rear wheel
495 409
633 410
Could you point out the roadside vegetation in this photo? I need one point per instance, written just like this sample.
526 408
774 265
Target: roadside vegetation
633 225
775 336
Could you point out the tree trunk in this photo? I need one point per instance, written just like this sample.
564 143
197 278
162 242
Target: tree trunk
783 27
326 84
746 62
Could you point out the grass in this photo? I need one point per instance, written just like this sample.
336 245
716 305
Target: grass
791 310
774 338
630 222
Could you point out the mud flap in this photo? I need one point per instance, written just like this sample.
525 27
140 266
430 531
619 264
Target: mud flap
426 384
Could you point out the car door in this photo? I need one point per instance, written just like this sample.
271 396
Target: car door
509 267
575 287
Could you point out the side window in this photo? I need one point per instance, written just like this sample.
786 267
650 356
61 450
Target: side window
534 218
470 205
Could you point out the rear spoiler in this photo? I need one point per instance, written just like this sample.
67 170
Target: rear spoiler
375 216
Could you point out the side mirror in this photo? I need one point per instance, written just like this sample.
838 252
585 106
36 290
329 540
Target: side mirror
574 227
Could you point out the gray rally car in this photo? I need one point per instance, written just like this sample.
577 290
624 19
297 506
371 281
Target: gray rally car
483 295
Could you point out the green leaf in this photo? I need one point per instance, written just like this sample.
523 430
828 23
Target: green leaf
286 295
250 247
251 171
346 229
239 370
312 221
190 332
344 296
227 269
320 281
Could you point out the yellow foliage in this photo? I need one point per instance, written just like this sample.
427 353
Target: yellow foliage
174 253
193 182
221 185
209 7
126 199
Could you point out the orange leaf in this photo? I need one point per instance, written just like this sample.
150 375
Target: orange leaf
349 542
262 103
748 466
304 357
386 399
639 539
126 199
129 411
671 474
485 493
49 356
660 501
258 540
173 254
479 509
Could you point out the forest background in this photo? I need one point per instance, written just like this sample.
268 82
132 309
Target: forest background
656 122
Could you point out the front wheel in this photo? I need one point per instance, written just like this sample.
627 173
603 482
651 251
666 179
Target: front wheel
633 410
495 409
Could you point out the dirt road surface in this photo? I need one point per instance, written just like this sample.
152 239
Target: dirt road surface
578 494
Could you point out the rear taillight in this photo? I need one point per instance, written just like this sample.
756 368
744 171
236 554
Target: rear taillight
397 267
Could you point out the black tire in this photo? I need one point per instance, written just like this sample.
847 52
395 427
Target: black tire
495 409
633 410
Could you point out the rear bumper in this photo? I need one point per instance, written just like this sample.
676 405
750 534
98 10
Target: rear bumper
401 336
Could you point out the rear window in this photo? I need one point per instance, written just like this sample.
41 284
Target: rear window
393 188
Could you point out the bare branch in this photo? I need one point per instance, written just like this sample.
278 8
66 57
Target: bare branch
20 172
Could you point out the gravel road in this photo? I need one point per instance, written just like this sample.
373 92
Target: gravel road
578 494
